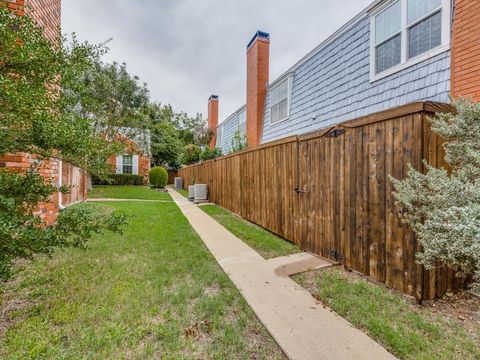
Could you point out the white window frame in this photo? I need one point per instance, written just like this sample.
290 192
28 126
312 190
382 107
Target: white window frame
405 61
275 84
119 164
123 164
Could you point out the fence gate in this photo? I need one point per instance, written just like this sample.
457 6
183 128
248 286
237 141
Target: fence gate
320 193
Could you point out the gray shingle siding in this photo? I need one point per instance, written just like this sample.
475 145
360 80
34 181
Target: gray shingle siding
333 85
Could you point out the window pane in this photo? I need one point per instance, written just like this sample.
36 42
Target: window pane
127 169
279 93
242 117
388 54
420 8
388 22
243 129
275 115
127 159
426 35
283 107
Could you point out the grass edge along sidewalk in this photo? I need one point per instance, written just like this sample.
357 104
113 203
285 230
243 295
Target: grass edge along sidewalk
406 329
267 244
153 292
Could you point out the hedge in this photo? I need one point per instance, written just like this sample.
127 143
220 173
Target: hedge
119 179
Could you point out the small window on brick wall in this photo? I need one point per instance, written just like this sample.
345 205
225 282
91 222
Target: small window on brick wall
127 164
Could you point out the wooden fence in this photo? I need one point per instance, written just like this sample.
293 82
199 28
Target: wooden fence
329 192
172 174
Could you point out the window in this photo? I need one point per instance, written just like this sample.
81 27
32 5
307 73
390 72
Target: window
405 32
388 37
127 164
242 122
280 102
425 26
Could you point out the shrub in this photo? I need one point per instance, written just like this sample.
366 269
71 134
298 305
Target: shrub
119 179
158 177
443 207
239 142
209 154
190 155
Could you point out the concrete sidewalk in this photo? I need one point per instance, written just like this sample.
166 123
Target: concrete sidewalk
301 327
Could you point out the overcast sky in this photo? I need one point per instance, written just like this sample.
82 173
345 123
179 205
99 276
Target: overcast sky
187 50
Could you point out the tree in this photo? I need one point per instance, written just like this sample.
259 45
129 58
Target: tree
239 142
193 130
113 99
36 116
190 155
210 154
165 138
443 207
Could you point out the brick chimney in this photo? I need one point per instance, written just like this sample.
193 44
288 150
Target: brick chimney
466 50
213 118
258 57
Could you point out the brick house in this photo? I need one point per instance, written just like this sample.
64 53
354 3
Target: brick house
393 53
136 157
48 14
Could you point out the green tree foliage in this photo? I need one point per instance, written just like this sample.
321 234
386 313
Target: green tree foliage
210 154
165 137
37 116
193 130
111 97
443 207
158 177
239 142
191 154
172 131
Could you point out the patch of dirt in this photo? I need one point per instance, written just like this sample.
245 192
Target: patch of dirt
462 307
11 303
213 290
199 330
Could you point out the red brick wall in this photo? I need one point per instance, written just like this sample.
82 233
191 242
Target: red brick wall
47 13
258 54
132 148
213 118
49 169
466 50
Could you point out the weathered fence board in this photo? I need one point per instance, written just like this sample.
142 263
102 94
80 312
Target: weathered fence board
330 193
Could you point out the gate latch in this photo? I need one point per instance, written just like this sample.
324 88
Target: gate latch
336 133
299 190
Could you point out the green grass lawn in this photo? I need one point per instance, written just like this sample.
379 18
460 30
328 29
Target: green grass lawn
407 330
153 292
127 192
264 242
